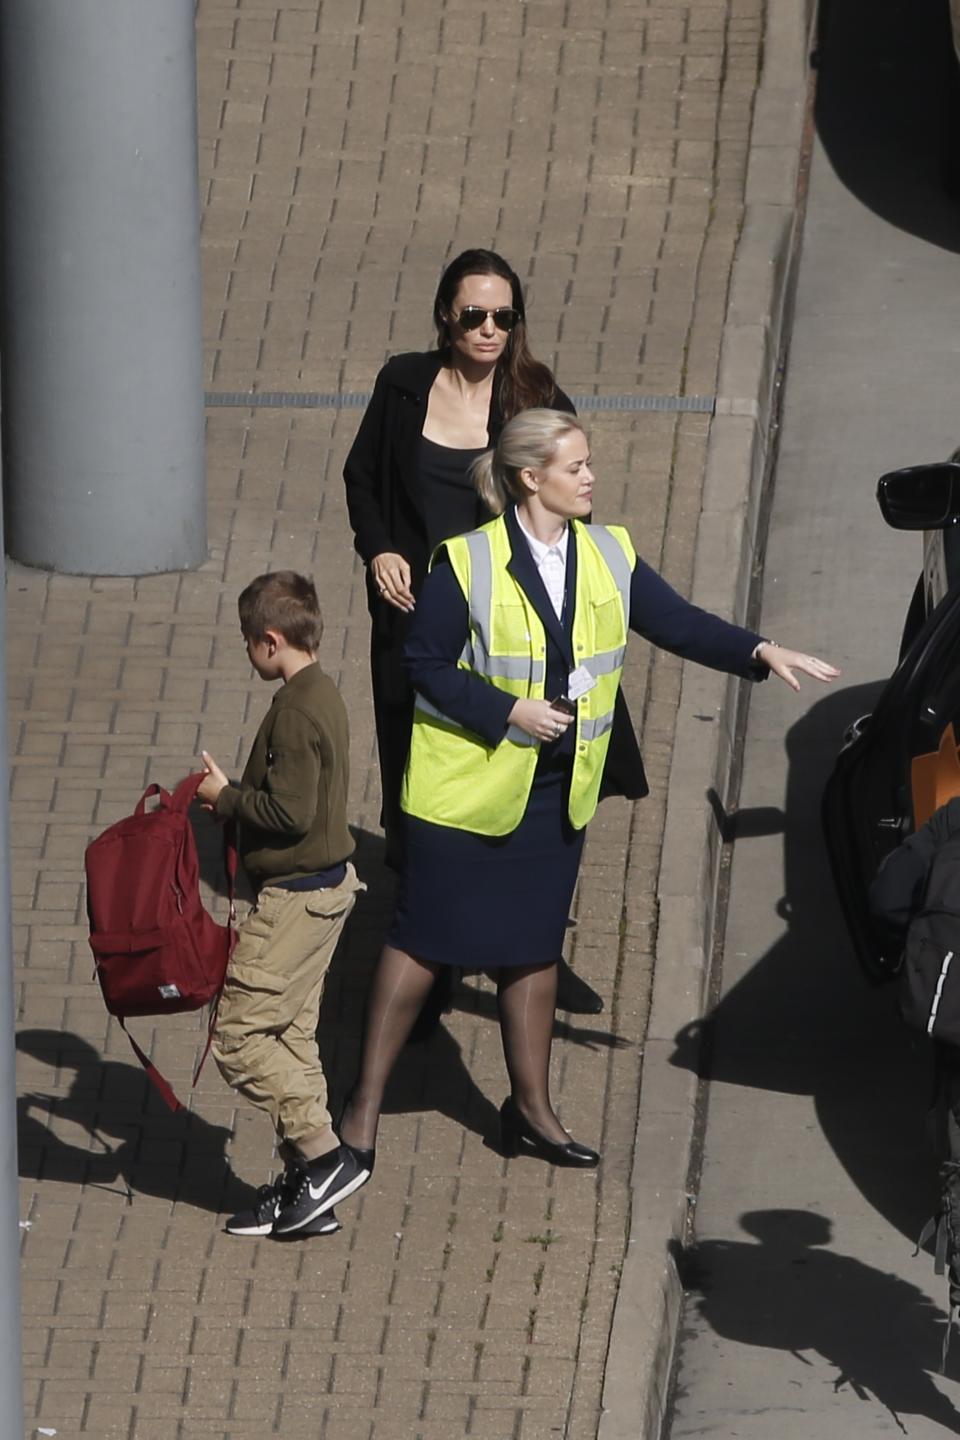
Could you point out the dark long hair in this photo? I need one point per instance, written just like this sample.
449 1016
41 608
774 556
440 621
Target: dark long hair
521 382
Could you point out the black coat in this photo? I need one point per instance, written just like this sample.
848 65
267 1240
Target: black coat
897 891
386 515
382 480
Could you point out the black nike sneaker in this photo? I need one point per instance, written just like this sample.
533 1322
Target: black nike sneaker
259 1219
322 1184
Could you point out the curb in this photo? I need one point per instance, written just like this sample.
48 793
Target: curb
649 1303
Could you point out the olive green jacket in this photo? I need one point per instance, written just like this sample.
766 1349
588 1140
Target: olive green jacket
291 803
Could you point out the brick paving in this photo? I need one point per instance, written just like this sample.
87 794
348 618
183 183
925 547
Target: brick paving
347 150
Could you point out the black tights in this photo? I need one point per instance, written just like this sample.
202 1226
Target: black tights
526 995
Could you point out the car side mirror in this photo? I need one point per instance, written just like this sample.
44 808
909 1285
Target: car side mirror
920 497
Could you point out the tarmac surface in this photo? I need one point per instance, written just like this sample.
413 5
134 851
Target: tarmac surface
346 153
806 1312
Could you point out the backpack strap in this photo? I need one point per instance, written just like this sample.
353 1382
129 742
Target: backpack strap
186 792
230 860
152 790
952 1319
230 864
163 1086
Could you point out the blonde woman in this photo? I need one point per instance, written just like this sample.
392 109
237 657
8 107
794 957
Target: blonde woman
515 652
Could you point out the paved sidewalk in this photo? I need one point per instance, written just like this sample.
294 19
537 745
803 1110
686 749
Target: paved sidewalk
347 151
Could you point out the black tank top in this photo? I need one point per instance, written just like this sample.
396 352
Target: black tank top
451 506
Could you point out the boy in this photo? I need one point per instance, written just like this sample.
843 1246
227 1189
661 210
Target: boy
291 809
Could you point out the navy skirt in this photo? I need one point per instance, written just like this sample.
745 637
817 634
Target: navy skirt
482 902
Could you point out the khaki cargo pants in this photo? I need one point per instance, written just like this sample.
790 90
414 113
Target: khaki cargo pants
265 1041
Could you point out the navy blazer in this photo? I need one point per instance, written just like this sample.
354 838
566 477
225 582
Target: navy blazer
440 627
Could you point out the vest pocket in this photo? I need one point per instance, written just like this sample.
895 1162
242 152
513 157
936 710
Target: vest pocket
607 623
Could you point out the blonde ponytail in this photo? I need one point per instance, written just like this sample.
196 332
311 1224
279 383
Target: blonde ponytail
488 484
527 442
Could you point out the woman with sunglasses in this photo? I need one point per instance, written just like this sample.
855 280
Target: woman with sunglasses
408 489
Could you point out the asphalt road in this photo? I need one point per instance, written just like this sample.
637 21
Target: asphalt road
806 1313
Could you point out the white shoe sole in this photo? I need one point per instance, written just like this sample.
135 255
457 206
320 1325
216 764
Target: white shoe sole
253 1232
306 1234
327 1203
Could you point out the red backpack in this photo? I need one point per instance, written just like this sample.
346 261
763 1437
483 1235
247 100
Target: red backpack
157 950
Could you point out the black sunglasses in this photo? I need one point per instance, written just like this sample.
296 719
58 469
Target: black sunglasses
471 317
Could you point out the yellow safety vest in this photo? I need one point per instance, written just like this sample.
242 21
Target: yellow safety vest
453 777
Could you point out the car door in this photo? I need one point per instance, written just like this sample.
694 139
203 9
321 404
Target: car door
867 807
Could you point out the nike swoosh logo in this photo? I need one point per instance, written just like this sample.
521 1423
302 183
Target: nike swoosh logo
317 1192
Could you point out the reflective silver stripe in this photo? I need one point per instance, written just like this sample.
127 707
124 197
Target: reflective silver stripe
480 599
520 737
514 733
516 667
941 981
615 560
474 653
606 662
480 602
504 667
593 729
422 703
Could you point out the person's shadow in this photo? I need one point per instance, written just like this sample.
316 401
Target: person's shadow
787 1293
804 1020
134 1144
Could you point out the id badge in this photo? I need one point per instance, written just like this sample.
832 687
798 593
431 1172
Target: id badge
579 682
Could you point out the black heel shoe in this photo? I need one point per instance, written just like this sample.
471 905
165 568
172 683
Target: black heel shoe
367 1158
574 995
514 1128
509 1133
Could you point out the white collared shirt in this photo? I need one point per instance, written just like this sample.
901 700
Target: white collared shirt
551 562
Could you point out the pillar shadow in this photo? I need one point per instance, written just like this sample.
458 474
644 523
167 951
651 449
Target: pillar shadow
887 111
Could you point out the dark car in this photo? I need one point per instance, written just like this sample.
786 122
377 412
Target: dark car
868 805
950 145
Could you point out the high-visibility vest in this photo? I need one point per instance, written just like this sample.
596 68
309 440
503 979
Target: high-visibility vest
455 778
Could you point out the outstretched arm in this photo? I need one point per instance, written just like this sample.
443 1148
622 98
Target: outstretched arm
662 616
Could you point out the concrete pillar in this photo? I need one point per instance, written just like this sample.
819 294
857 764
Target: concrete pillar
102 371
11 1384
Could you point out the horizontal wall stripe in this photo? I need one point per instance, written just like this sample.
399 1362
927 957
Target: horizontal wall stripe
357 399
